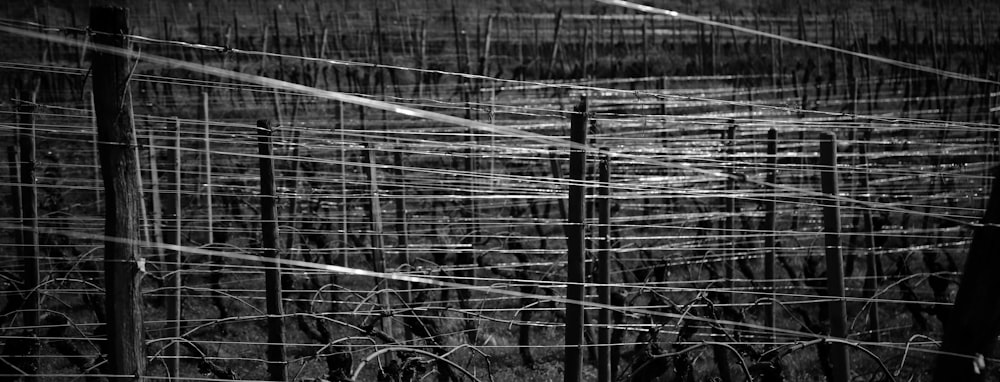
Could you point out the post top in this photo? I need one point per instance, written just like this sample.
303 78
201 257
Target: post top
109 19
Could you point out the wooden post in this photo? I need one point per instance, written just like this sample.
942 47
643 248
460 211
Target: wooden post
272 273
973 327
97 159
834 259
872 274
465 258
172 235
555 45
120 170
770 242
13 157
345 225
208 167
729 137
604 267
154 178
375 214
645 52
143 216
575 246
293 184
29 250
401 228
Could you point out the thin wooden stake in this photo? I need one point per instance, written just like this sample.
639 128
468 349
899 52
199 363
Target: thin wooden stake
604 267
97 159
555 44
29 250
575 246
272 273
172 235
834 258
377 234
14 167
401 228
208 167
120 169
770 242
729 137
154 179
343 183
293 184
873 270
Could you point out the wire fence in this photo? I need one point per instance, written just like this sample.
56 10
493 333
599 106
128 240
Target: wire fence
422 228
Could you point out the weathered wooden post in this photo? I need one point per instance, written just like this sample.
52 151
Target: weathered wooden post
729 137
465 258
872 273
172 235
604 267
834 259
29 250
345 224
154 178
120 172
770 242
206 136
97 159
974 324
374 207
575 245
401 228
272 273
555 44
721 355
14 167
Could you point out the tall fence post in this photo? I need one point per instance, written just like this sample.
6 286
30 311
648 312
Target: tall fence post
721 355
30 252
972 329
272 273
770 238
834 259
172 235
120 172
575 245
604 267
